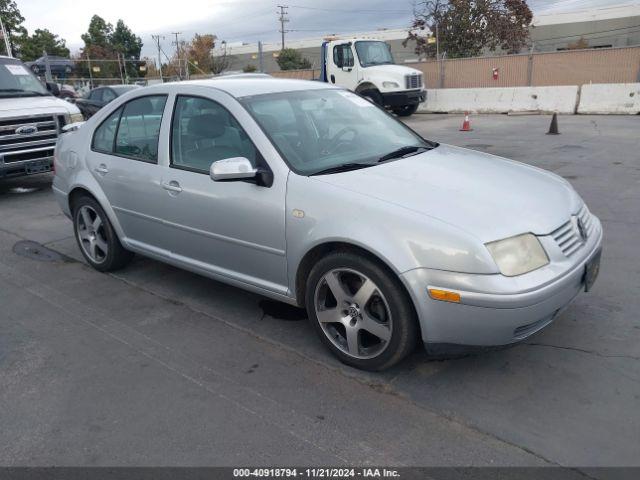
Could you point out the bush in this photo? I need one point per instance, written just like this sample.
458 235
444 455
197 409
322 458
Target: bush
290 59
249 68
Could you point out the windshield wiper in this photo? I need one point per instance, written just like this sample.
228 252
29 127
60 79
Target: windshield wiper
402 152
345 167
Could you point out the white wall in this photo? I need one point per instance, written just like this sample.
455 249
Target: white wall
616 98
561 99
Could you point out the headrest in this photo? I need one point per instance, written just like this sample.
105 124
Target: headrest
207 125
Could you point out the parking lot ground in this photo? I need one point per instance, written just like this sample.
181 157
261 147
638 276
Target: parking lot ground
156 366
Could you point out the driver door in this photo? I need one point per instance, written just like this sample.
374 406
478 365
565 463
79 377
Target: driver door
345 71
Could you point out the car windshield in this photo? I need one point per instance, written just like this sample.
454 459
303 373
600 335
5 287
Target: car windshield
372 53
323 130
16 80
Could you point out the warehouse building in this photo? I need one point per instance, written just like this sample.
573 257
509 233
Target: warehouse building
603 27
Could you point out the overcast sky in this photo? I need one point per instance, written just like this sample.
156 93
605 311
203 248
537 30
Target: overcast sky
236 20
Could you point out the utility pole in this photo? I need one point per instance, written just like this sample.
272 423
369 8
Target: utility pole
283 19
177 43
6 38
157 38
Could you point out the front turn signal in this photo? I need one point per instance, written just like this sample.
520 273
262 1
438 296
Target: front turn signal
444 295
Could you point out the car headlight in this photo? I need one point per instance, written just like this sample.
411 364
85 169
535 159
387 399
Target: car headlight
76 117
518 255
390 84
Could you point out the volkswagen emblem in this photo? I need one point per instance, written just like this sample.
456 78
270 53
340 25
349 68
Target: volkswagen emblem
27 129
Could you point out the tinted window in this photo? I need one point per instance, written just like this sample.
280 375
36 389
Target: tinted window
105 134
96 94
108 95
343 55
204 132
139 128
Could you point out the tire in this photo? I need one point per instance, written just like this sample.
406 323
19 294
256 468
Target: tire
96 237
373 96
369 322
406 111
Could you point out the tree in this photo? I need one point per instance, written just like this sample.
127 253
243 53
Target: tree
291 59
467 27
199 52
250 68
126 43
31 47
12 20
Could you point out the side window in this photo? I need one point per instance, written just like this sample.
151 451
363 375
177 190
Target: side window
203 132
343 55
96 94
105 134
139 128
108 95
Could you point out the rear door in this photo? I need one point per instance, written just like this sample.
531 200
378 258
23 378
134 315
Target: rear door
124 160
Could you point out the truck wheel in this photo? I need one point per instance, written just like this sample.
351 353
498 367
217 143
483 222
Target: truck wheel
373 96
406 111
360 311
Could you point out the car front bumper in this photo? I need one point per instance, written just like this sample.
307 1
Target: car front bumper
494 309
26 167
401 99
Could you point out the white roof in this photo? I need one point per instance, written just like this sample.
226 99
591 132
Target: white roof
555 17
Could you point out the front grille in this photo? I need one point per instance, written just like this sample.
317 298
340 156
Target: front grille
572 235
413 81
17 146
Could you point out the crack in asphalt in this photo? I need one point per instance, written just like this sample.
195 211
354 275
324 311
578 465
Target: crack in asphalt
581 350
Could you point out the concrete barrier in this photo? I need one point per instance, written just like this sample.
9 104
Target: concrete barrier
561 99
616 98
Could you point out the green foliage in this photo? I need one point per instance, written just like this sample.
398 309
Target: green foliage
291 59
103 42
12 20
249 68
31 47
466 28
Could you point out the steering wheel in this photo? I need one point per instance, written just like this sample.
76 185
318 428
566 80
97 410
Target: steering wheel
336 141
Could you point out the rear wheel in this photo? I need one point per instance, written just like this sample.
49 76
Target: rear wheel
96 237
406 110
360 311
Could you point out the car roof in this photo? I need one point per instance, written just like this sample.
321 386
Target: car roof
122 87
239 87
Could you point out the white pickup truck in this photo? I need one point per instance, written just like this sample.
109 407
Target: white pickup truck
367 68
31 118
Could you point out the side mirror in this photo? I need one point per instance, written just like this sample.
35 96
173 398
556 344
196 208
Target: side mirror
53 89
236 168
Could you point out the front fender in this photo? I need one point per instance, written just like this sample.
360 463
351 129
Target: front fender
403 239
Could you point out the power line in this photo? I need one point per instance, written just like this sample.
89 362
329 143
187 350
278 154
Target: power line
283 19
349 11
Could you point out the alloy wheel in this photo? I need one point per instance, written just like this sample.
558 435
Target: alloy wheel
91 234
353 313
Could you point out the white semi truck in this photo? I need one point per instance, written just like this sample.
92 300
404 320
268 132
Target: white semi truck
367 68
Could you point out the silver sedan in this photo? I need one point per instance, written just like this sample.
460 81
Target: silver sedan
313 196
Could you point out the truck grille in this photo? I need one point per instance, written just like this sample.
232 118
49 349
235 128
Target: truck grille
413 81
572 235
28 138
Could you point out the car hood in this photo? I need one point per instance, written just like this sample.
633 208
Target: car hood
392 69
488 196
23 106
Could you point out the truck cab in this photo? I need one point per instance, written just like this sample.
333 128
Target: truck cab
367 67
31 118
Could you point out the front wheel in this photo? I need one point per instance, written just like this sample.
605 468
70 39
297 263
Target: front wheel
361 311
406 110
96 237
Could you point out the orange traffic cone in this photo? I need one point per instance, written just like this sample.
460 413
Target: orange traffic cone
466 125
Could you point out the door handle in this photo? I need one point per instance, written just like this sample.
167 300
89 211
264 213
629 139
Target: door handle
102 169
172 186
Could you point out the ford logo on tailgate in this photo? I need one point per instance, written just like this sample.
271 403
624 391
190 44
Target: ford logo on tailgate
26 129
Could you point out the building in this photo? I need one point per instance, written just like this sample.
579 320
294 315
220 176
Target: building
603 27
